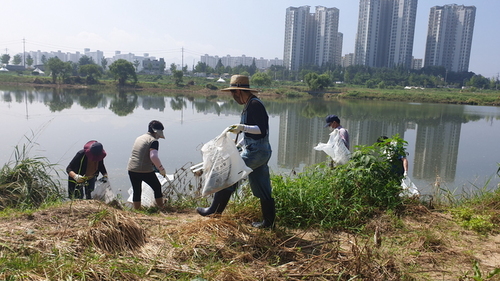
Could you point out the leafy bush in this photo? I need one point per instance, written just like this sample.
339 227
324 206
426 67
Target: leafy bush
211 87
344 197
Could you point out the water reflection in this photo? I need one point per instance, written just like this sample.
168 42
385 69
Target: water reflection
433 131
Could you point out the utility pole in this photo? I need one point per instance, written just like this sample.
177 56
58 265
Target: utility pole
24 53
182 60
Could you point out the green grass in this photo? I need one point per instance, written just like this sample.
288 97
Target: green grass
27 182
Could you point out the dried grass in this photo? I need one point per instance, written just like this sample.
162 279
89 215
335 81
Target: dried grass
114 233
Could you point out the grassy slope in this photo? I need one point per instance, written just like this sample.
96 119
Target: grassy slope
87 240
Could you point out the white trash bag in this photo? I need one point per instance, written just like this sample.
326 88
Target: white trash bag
222 164
103 191
147 194
409 188
335 148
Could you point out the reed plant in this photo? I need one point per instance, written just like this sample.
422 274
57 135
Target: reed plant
28 182
343 197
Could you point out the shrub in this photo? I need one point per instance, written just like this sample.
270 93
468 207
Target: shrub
211 87
344 197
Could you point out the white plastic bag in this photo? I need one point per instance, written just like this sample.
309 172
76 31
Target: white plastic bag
103 192
222 164
409 188
147 194
335 148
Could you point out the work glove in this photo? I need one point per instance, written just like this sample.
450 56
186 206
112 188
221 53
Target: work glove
405 174
236 128
79 178
163 172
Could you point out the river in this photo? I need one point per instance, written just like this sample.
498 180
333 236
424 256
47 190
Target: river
455 147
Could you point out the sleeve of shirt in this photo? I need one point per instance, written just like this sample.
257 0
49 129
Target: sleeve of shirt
155 145
257 115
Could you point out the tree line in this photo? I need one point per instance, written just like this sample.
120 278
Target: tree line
316 78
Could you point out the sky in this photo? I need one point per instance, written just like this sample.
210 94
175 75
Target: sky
183 30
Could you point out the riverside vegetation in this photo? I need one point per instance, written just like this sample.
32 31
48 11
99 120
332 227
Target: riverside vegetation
163 84
346 223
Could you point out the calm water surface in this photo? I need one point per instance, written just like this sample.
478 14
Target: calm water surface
455 145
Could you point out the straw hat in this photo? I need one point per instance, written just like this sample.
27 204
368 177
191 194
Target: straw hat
239 82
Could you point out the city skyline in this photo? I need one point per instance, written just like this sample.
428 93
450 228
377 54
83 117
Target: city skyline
253 29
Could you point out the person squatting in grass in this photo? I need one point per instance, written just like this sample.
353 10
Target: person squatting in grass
142 161
396 155
84 169
256 152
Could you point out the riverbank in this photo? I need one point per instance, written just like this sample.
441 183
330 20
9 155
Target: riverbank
88 240
196 86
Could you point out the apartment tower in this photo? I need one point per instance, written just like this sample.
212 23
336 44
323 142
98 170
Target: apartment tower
449 37
385 33
311 38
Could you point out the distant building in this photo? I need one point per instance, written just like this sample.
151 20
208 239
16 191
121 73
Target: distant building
153 66
97 56
385 33
416 64
348 60
231 61
311 39
449 37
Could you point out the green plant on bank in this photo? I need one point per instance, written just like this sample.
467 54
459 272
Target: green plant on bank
344 197
27 182
478 211
478 275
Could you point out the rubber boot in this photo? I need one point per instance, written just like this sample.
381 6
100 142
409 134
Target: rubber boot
268 213
137 205
221 198
159 203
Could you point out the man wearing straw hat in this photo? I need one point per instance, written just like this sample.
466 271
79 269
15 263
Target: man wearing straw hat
256 152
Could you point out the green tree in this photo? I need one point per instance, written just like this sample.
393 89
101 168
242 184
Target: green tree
201 67
178 74
84 60
29 60
5 58
58 68
173 68
17 59
92 72
261 79
136 64
44 59
122 71
219 68
479 82
252 68
104 63
317 82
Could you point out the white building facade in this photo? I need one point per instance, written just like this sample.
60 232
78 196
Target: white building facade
385 35
311 39
449 37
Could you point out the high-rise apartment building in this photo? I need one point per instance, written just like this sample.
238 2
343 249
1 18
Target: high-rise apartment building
311 38
449 37
385 33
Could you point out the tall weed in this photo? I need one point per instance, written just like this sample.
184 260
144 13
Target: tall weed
27 182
